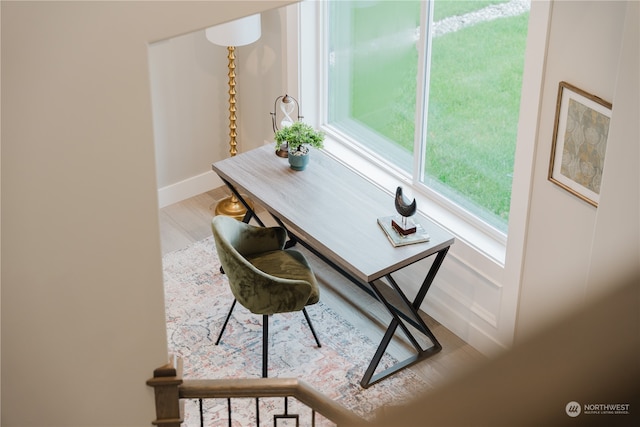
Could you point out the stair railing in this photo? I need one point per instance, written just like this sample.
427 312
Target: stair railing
171 391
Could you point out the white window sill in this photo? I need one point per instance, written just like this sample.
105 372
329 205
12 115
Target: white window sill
491 245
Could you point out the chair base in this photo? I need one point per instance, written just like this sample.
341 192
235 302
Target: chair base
265 334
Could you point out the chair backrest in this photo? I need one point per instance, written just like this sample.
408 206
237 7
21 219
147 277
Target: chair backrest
256 290
248 239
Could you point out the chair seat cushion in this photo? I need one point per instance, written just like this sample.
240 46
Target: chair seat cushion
287 264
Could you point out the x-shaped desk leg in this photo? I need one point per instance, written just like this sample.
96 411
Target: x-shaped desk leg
412 317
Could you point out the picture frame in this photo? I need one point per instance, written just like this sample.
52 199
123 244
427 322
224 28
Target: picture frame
580 135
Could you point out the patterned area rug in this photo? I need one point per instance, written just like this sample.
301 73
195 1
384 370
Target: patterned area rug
198 299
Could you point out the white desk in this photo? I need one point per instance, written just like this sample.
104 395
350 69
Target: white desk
333 211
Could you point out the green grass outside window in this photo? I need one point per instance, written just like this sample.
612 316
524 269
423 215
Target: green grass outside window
474 104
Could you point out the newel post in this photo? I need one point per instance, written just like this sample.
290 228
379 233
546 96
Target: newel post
166 382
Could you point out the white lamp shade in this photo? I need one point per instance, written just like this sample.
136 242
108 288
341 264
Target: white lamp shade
240 32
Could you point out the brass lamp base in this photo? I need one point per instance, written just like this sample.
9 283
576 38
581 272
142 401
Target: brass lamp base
232 207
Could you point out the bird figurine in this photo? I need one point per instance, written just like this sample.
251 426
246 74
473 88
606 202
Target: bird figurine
405 209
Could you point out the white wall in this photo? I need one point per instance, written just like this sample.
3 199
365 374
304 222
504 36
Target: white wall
82 296
191 104
616 253
584 49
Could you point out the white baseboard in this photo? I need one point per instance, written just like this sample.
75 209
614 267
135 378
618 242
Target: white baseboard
187 188
463 325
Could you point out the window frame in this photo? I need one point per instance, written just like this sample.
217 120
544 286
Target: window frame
478 287
309 49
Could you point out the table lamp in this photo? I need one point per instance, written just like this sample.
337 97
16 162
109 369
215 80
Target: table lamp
240 32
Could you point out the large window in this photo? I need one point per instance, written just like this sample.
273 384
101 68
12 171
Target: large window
432 90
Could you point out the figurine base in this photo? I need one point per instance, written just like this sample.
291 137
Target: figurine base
410 227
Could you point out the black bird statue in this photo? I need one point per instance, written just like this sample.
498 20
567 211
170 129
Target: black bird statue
405 209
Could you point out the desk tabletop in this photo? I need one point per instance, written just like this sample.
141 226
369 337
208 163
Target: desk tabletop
332 208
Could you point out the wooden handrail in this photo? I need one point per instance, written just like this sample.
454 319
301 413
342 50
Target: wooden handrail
170 388
270 387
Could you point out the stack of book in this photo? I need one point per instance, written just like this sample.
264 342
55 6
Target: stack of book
398 239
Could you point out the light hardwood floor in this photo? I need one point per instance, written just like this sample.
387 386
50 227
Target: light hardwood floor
190 220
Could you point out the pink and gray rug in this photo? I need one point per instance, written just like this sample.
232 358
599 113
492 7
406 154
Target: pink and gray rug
198 298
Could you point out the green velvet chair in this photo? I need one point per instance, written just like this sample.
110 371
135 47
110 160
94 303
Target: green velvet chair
263 276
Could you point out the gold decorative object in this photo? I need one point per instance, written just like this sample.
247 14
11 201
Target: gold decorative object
232 101
231 34
231 206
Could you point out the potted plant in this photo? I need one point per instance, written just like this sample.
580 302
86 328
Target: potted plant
299 137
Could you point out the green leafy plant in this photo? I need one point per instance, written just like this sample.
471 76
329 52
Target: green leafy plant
298 136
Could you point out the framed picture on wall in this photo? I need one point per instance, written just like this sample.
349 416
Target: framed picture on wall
579 144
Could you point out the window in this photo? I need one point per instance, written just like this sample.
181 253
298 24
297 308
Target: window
432 91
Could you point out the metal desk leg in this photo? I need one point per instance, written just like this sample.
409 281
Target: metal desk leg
250 212
413 317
